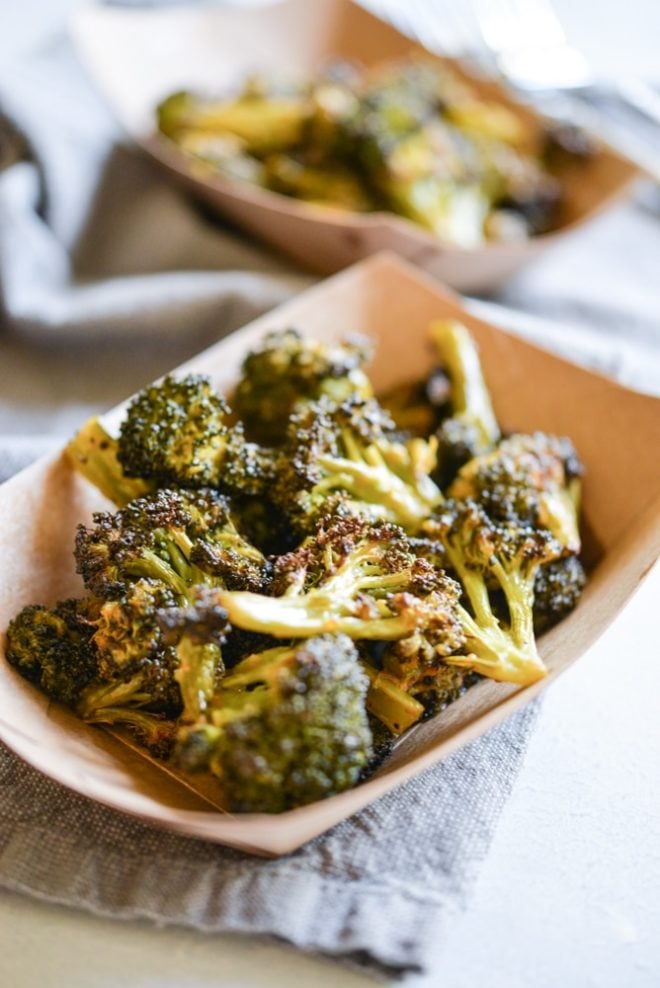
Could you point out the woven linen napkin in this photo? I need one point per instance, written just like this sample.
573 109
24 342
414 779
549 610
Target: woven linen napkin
108 276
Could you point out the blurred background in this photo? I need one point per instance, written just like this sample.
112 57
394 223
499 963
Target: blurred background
616 37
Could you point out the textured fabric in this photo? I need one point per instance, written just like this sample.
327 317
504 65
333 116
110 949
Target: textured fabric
108 277
377 891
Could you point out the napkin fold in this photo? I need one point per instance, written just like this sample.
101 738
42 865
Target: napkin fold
108 277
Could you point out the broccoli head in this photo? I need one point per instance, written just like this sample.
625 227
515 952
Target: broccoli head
287 368
557 589
286 727
56 648
53 648
532 479
178 538
175 432
179 432
353 450
481 552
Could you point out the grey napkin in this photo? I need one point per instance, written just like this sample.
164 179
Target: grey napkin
108 276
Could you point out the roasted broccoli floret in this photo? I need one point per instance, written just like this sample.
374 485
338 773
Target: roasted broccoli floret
287 727
180 539
178 543
532 479
557 589
134 686
353 576
175 432
352 449
442 687
472 428
480 551
93 452
52 648
179 432
286 368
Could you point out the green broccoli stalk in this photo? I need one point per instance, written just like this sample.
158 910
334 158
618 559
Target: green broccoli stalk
286 368
510 555
286 727
352 450
93 453
532 479
122 703
472 428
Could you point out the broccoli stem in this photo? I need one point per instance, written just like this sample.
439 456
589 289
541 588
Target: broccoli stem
93 453
495 654
389 703
558 512
398 491
196 675
506 656
469 396
313 614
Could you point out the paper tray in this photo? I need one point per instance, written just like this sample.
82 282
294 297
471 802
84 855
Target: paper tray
137 57
617 432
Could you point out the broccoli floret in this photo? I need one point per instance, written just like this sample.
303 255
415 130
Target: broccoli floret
287 727
353 576
93 452
104 664
531 479
175 432
180 539
178 543
179 432
479 551
472 428
52 648
557 589
353 450
442 687
287 368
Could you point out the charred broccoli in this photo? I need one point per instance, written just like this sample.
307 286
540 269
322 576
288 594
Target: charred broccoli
557 589
51 647
181 539
353 449
531 479
287 368
286 727
179 432
480 551
353 576
66 651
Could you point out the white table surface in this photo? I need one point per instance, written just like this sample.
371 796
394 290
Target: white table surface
569 896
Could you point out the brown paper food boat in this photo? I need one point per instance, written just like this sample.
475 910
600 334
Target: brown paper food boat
138 57
617 432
